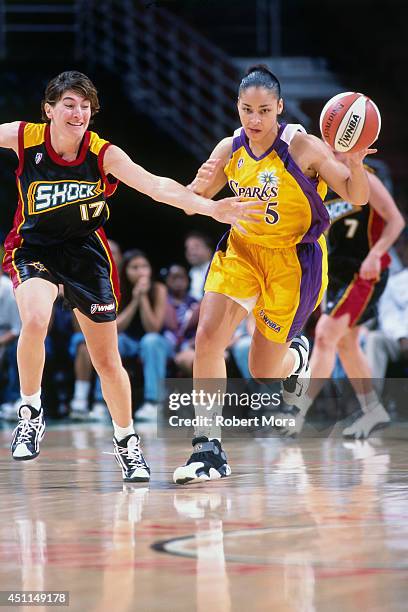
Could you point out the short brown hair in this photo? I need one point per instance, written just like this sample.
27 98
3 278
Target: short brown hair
76 81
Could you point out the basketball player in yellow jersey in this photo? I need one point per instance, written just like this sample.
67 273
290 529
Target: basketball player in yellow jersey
64 176
275 267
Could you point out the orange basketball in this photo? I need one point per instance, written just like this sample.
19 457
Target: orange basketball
350 122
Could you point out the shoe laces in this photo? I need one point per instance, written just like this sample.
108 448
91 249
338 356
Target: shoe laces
25 429
133 454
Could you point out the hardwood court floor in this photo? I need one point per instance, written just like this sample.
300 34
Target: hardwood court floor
316 525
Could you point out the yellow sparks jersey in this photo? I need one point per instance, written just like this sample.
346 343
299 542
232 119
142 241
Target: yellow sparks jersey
59 200
294 211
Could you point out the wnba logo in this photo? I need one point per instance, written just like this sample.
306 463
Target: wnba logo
102 307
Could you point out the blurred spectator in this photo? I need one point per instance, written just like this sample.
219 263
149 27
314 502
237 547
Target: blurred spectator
140 323
116 253
389 342
241 343
10 326
181 318
58 367
198 252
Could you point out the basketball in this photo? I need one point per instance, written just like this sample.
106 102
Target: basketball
350 122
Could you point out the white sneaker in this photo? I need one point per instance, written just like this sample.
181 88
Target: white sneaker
293 422
147 412
294 387
28 433
129 456
377 418
79 410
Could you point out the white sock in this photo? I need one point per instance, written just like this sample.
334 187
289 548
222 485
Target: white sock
122 432
32 400
207 426
81 391
368 401
296 355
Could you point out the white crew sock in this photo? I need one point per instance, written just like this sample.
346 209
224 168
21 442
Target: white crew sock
368 401
81 390
32 400
122 432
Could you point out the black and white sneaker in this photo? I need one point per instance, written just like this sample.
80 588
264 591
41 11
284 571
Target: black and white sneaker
207 462
295 386
129 455
28 433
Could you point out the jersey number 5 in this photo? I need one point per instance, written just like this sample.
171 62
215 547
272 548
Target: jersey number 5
94 207
271 215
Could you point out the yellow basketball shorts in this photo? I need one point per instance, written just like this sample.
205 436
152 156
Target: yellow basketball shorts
282 287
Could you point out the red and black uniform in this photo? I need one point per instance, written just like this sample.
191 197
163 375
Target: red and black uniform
352 233
57 233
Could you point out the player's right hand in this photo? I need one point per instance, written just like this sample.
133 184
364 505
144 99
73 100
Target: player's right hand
233 211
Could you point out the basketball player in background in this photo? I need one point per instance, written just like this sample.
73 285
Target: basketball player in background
358 241
64 175
276 268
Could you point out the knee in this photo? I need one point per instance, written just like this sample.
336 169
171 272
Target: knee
108 365
206 340
35 324
322 340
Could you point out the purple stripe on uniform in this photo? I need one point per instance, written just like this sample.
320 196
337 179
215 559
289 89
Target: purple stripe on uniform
320 217
310 257
221 246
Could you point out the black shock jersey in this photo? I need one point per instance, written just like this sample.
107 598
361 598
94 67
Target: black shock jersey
58 200
352 233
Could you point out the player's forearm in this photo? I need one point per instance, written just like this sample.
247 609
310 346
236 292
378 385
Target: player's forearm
392 230
358 190
170 192
151 321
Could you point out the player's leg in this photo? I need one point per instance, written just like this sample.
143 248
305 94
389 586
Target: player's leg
328 333
102 342
356 366
35 298
219 317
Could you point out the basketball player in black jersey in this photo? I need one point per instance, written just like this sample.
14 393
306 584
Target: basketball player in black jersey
358 241
64 175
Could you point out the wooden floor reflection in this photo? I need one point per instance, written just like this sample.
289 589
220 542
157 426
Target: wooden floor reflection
320 524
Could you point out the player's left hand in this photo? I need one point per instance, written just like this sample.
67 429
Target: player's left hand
370 269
